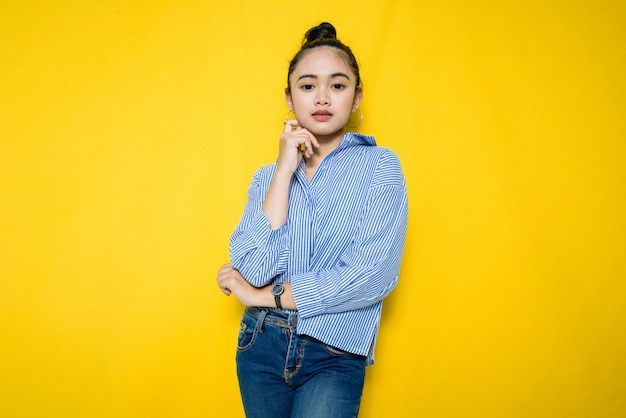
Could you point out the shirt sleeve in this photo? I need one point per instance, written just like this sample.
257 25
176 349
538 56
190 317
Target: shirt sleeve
257 251
368 269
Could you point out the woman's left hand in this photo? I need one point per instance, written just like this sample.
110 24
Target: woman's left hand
231 281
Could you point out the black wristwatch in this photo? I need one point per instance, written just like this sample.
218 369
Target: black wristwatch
277 290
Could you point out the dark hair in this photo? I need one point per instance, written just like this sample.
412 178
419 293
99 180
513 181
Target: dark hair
324 34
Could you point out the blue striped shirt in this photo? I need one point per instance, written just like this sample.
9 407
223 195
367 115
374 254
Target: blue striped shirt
341 245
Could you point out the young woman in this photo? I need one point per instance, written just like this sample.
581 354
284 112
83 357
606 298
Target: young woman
318 246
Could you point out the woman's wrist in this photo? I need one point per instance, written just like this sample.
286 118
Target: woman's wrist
263 297
282 175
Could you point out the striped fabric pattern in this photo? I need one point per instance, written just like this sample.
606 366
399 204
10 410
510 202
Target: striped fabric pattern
341 246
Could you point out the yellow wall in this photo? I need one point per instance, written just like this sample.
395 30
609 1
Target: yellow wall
129 131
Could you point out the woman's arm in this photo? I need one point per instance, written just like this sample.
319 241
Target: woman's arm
258 246
231 281
367 270
293 146
256 250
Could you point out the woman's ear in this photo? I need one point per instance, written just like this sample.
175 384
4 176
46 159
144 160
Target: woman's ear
358 96
288 101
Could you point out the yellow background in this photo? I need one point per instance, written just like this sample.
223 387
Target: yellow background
129 131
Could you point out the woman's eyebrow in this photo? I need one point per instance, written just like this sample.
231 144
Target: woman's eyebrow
334 75
340 75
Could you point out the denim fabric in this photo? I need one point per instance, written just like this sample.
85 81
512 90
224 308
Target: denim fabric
282 374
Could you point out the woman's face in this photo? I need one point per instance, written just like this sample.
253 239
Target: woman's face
323 92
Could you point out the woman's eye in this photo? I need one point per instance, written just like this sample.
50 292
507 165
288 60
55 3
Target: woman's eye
338 86
307 87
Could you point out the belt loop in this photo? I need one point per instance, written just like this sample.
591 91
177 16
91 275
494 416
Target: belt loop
260 319
292 320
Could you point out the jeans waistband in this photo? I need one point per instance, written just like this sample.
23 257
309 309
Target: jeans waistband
273 316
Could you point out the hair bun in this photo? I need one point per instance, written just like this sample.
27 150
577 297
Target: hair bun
322 31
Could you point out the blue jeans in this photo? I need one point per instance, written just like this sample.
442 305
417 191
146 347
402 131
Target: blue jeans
282 374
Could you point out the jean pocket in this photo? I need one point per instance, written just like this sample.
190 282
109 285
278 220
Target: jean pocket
247 333
336 352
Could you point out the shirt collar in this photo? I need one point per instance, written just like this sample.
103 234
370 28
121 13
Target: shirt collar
353 138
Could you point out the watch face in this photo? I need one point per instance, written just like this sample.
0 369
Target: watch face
277 289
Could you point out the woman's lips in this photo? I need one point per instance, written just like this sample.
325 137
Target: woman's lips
322 116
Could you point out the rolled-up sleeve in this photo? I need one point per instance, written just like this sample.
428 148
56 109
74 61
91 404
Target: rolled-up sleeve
257 251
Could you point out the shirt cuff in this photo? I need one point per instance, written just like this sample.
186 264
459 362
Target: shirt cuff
265 237
305 294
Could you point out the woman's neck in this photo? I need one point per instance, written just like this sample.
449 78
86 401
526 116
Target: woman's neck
328 144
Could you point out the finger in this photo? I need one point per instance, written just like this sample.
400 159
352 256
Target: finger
289 125
225 290
221 283
307 147
313 142
296 140
225 268
222 276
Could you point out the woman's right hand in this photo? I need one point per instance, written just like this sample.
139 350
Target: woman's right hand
294 145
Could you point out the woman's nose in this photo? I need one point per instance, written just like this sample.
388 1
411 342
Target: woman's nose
322 99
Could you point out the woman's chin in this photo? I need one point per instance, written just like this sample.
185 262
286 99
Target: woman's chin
326 131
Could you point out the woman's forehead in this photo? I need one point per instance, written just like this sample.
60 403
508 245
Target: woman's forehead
321 61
